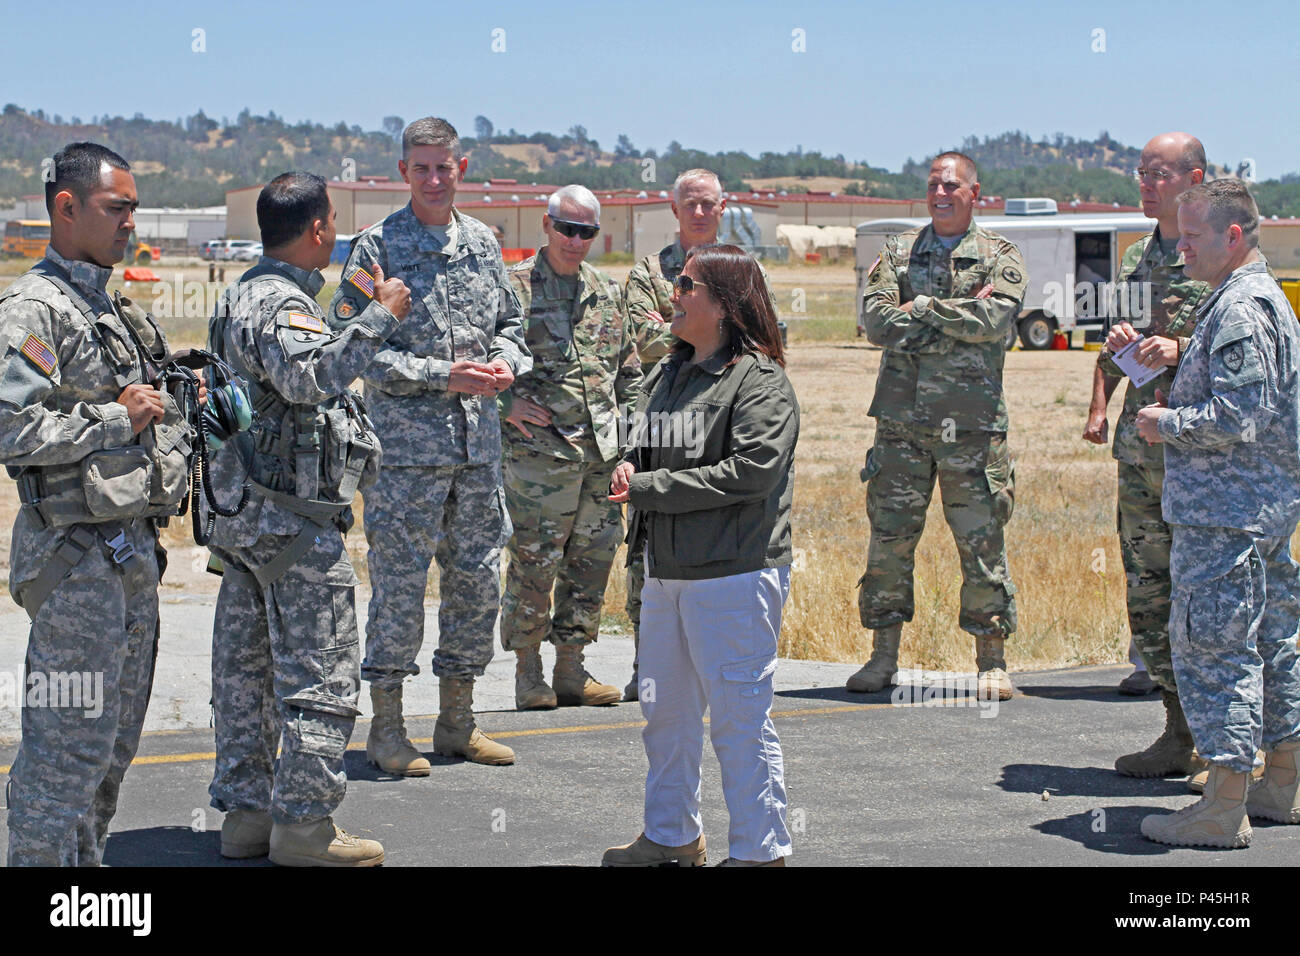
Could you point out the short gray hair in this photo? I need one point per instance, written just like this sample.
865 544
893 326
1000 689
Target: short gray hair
1230 204
691 175
430 131
578 196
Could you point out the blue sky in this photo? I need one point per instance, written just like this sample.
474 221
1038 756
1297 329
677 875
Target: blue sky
879 81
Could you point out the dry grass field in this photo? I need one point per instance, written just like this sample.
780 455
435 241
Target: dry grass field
1063 550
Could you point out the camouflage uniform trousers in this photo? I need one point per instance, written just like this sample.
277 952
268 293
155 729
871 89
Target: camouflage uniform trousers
1144 541
565 534
413 514
1232 628
635 583
285 670
977 485
65 780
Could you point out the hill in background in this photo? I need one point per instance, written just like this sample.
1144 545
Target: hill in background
194 160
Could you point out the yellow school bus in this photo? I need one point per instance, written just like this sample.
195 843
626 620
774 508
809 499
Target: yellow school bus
26 237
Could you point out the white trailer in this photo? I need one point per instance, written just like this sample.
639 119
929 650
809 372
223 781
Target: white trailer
1071 260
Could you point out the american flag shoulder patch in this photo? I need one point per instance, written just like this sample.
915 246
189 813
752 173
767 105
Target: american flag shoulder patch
304 321
364 281
39 354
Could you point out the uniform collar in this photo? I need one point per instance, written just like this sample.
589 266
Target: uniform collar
1241 272
714 365
310 281
425 241
964 249
546 272
87 276
1153 252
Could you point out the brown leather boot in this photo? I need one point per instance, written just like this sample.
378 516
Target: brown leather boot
574 687
531 690
1174 751
456 735
881 670
645 852
387 746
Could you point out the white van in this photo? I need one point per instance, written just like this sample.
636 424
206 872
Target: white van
1071 260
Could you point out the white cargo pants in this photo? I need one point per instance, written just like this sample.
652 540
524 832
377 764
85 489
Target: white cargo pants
712 643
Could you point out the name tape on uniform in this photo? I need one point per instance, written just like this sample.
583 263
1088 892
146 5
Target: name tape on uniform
40 354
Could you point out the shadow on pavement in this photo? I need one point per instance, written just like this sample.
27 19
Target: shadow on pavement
169 846
836 694
1110 830
1087 782
1102 693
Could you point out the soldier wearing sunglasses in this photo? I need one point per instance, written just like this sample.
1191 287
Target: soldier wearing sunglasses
560 451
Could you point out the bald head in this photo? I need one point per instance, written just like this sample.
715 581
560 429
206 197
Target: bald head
1171 164
1182 150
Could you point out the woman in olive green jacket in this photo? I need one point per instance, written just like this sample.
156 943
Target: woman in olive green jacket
710 480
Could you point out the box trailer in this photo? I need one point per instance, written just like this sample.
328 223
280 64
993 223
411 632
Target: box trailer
1071 260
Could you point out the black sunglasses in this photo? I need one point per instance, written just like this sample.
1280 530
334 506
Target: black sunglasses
570 229
685 284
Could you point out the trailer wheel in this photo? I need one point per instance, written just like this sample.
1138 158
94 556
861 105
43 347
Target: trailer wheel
1011 337
1036 332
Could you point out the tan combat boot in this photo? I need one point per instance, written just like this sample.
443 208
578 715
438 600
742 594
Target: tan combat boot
321 844
1217 819
732 861
1174 751
387 746
1196 782
1278 797
633 689
455 734
574 687
531 690
245 834
645 852
992 667
881 670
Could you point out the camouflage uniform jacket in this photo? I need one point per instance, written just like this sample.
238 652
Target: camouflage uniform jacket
585 365
58 392
1232 429
943 360
462 309
649 288
1173 302
276 336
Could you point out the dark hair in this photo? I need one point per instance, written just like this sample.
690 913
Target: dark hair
430 131
79 168
732 277
288 205
966 165
1229 204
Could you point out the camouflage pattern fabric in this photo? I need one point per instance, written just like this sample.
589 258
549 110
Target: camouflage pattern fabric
1230 432
285 657
977 484
585 365
943 360
1144 546
57 405
413 515
1236 601
284 670
439 493
1173 299
941 414
565 534
462 309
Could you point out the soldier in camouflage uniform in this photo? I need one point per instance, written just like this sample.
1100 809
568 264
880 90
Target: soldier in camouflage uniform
75 400
1231 437
1151 275
939 301
561 450
698 205
432 395
285 661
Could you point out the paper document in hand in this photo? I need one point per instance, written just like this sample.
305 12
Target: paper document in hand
1126 359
